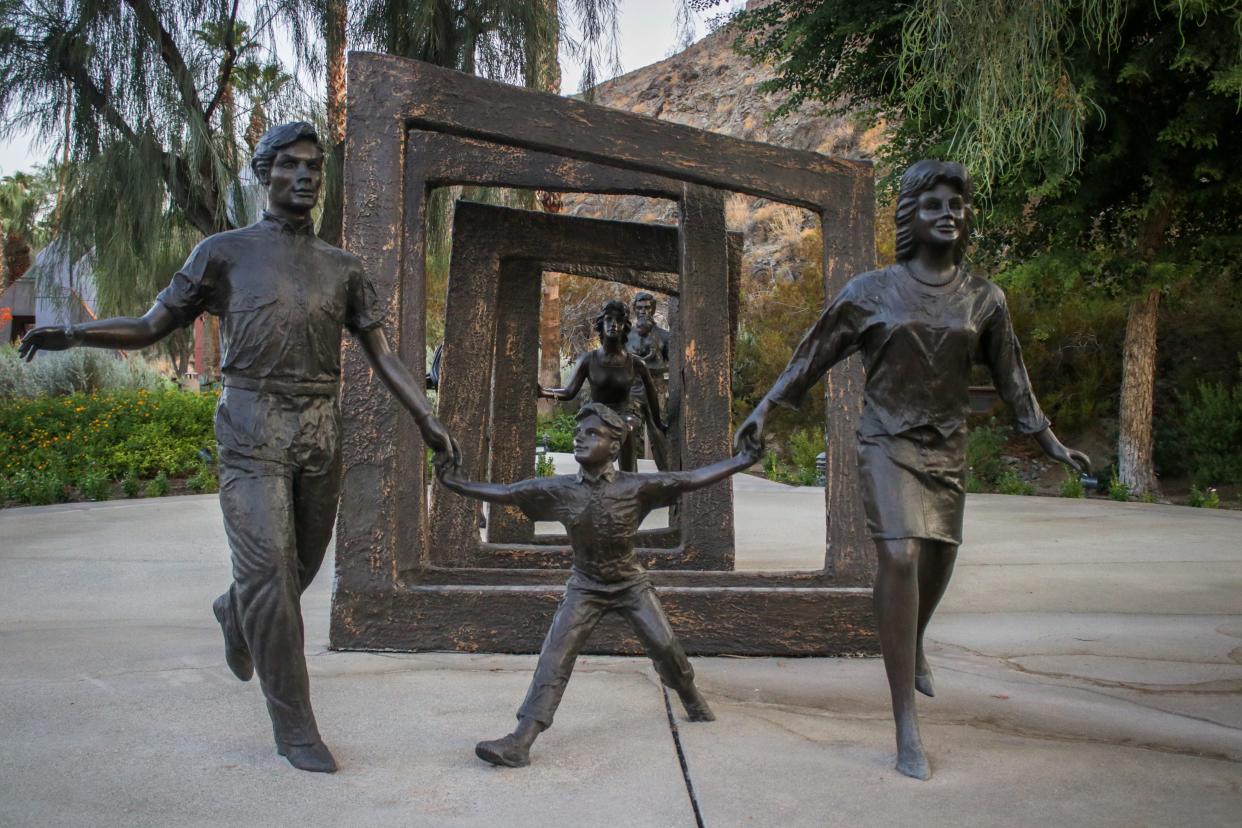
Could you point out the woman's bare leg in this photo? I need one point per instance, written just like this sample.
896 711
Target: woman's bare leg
897 613
935 570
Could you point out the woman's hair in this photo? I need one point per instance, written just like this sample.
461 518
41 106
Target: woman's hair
276 139
918 179
615 308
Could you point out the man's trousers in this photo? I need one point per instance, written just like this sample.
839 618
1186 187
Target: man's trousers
280 475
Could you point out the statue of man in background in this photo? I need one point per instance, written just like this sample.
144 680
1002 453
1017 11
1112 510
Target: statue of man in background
649 342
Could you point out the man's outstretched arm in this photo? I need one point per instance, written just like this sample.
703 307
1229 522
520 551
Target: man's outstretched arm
124 332
404 387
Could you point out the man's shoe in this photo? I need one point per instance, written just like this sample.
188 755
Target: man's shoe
315 758
236 653
507 751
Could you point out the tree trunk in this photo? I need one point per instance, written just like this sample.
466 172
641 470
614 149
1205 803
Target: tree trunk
548 72
549 339
1135 466
335 18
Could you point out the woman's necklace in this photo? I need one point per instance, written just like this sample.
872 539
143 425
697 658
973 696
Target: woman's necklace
952 275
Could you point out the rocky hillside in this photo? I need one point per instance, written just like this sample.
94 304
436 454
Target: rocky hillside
712 87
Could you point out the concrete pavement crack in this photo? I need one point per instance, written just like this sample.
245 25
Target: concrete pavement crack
681 758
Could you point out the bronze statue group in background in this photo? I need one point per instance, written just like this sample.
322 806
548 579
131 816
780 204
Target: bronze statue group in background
284 297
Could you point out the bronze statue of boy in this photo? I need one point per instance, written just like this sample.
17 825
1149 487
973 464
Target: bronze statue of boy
601 510
283 296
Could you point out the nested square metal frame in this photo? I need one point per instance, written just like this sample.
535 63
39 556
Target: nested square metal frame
413 127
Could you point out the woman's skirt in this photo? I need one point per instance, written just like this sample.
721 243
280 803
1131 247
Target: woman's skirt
914 484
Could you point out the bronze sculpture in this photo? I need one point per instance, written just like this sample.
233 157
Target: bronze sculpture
649 342
283 296
918 325
612 372
601 510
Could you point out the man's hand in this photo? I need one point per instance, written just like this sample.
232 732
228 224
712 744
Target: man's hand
447 462
47 338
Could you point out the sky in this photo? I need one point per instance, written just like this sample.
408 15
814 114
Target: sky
648 34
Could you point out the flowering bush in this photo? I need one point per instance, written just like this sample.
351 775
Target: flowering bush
51 445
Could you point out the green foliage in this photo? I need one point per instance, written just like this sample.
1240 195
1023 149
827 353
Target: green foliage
36 487
203 481
805 446
772 323
984 468
1010 483
1072 486
94 484
158 485
557 431
81 370
130 484
127 434
1200 499
1118 490
544 466
1211 420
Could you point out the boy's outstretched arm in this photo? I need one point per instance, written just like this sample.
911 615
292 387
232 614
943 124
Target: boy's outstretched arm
707 475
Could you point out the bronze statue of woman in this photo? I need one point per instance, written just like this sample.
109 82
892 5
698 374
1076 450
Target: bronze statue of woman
919 326
611 371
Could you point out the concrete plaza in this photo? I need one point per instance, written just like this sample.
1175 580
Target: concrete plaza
1088 662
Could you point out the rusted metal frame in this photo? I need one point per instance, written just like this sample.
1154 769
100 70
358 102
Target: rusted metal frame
848 231
495 237
438 99
709 621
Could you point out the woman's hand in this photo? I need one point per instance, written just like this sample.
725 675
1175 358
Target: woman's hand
1058 451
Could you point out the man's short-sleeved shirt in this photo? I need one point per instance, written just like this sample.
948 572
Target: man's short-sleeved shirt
601 517
282 296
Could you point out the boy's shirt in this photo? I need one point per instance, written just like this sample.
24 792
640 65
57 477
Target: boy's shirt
601 516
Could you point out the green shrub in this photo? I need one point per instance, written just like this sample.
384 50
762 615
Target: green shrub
1211 426
95 485
557 431
805 446
1118 490
203 481
544 466
114 434
158 486
1011 484
1201 499
984 468
40 487
1072 486
81 370
130 484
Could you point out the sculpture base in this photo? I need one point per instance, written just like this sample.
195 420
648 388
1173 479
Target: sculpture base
753 620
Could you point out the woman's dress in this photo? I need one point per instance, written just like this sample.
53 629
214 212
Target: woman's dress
918 343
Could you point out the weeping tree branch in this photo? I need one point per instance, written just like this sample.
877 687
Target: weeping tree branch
226 66
172 57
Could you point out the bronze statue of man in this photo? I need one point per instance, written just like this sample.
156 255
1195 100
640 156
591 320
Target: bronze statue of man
601 510
283 296
612 372
649 342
